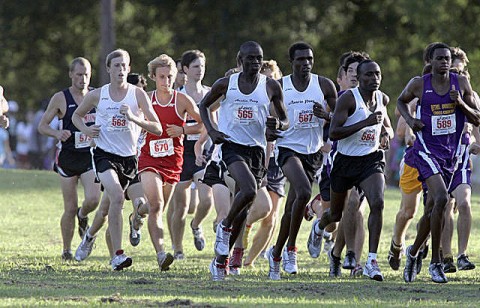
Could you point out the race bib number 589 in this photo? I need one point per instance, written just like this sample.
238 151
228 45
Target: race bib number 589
443 125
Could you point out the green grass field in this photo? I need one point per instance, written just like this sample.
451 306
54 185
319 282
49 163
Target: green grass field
33 274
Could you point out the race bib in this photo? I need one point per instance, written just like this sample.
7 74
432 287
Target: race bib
81 140
161 147
245 115
443 125
305 119
368 137
117 122
192 137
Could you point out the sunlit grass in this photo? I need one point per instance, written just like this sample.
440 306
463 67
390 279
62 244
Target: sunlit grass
32 273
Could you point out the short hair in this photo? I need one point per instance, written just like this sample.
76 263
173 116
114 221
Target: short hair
340 72
342 58
246 45
355 56
80 61
135 78
177 62
362 63
459 54
435 47
115 54
298 46
273 66
162 60
191 55
426 52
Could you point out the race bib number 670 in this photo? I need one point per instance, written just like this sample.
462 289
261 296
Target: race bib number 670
161 147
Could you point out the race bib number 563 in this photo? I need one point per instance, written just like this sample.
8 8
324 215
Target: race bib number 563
118 122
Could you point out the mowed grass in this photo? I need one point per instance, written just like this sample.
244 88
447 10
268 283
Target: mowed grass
33 274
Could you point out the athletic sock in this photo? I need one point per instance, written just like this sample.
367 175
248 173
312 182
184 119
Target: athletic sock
371 256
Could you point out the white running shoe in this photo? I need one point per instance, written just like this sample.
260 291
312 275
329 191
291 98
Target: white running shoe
314 243
121 261
291 266
217 270
164 260
372 270
284 258
222 240
274 271
85 248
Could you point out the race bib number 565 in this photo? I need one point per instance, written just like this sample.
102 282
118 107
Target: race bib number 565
245 114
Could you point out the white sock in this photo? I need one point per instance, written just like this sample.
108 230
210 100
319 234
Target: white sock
371 256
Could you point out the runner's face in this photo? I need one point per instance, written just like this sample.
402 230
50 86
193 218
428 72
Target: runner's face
441 60
164 78
252 59
351 75
196 70
81 76
302 62
181 77
119 69
370 76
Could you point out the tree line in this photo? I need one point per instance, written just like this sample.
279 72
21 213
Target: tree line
38 39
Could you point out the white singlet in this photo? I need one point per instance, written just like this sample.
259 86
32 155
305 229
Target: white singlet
366 140
305 134
118 135
243 116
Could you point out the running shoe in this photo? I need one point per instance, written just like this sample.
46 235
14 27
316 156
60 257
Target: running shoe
448 265
67 255
82 224
284 257
291 266
372 270
198 238
350 262
217 270
436 271
222 240
164 260
274 266
357 271
134 235
314 243
464 263
178 256
235 262
335 269
410 271
85 248
394 256
120 261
